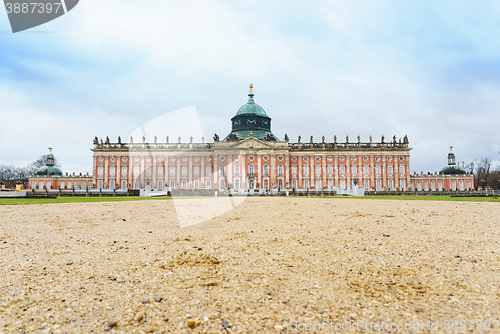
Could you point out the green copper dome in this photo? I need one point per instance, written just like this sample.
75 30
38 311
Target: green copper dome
251 121
49 168
251 108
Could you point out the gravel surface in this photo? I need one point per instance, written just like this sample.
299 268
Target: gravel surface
270 265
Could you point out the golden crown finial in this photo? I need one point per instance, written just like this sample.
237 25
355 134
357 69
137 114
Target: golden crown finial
451 148
50 148
251 88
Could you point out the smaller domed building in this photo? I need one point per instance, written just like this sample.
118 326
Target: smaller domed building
50 177
451 177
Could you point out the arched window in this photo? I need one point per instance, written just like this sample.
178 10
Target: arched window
99 184
172 184
84 185
77 186
33 185
69 185
222 170
196 184
209 184
250 169
40 185
124 185
280 170
184 184
280 184
62 185
49 185
266 184
136 184
222 184
237 184
111 184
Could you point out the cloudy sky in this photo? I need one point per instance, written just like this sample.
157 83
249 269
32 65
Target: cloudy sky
426 69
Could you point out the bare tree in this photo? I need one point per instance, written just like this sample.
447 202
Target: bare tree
481 172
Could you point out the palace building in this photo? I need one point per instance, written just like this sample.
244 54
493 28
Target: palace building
251 157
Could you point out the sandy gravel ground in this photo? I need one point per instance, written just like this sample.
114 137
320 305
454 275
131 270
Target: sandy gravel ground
270 265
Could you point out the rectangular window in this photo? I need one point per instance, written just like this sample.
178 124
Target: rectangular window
389 170
159 171
208 171
172 171
112 171
306 170
379 185
306 184
342 184
401 170
318 184
294 170
402 185
378 170
148 171
136 172
100 170
330 170
124 171
366 184
354 170
390 185
433 185
318 170
366 170
294 184
209 184
342 171
330 184
184 184
160 185
184 172
440 185
196 171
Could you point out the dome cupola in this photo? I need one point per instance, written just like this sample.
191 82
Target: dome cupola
49 168
251 120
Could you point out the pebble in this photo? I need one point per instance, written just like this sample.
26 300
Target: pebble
191 323
113 322
145 301
225 325
158 298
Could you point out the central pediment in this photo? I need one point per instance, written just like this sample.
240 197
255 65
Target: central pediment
252 143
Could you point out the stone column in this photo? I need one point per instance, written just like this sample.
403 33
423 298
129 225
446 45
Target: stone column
229 168
118 172
348 180
287 171
397 184
372 170
154 177
324 182
130 170
178 172
190 173
166 179
274 178
216 172
300 171
259 164
94 168
203 184
384 172
105 175
336 169
142 172
243 169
